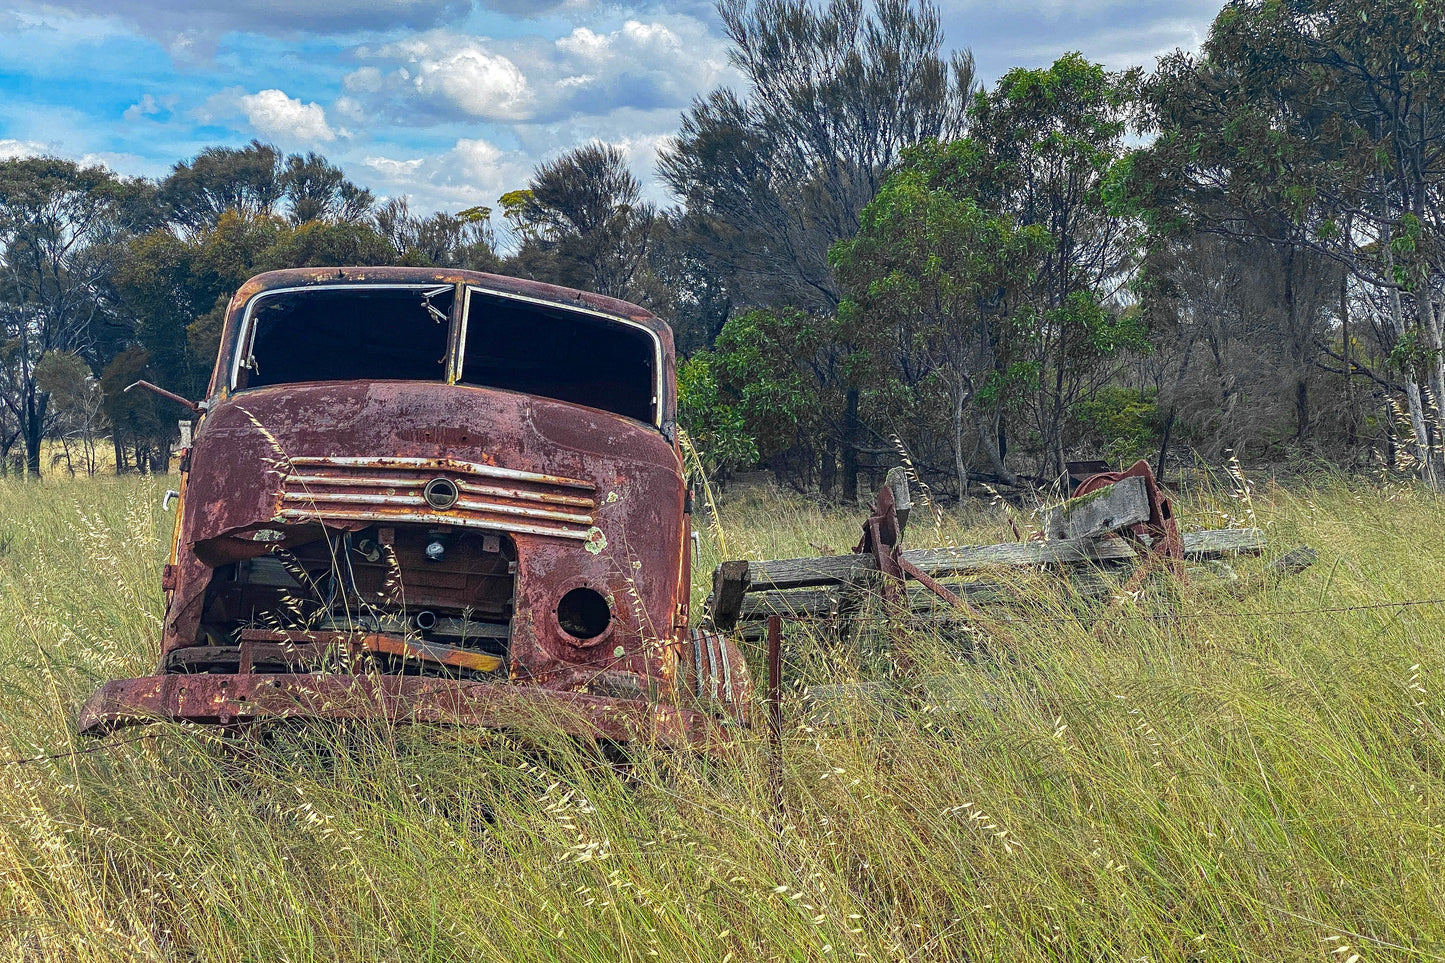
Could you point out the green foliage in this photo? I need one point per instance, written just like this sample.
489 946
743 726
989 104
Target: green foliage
1123 421
979 274
582 223
141 420
766 361
323 244
66 378
713 422
1411 356
61 228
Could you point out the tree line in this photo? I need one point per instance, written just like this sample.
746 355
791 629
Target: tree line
868 254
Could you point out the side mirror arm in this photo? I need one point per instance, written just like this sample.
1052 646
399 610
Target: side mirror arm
199 407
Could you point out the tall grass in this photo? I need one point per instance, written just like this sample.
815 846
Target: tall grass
1233 784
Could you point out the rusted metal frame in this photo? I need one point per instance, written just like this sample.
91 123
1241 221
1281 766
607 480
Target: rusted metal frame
937 588
308 648
231 699
1164 544
717 674
195 406
431 652
255 653
456 334
262 648
880 540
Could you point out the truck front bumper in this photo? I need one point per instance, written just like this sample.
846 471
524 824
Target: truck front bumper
224 700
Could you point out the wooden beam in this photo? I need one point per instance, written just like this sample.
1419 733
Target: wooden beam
897 480
804 603
792 573
1124 503
1292 563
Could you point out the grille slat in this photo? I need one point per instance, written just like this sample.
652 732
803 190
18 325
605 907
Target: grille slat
389 490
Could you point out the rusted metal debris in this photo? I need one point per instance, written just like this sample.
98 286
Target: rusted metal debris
436 496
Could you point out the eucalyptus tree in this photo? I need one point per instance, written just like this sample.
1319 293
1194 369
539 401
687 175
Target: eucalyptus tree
245 181
582 222
1315 125
315 189
62 227
982 292
774 175
1052 142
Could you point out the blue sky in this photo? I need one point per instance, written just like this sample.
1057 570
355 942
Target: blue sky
451 102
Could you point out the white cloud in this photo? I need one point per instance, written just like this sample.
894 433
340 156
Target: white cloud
273 114
11 149
367 80
150 107
350 108
440 76
471 172
480 84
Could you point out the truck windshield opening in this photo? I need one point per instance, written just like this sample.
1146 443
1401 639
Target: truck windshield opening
559 354
348 334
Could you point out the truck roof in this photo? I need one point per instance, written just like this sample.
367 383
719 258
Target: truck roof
552 293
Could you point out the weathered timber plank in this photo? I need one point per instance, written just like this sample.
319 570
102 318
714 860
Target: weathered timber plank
803 602
1126 502
1220 542
1294 562
824 602
791 573
788 573
729 585
897 480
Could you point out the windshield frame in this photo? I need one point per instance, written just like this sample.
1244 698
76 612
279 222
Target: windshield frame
456 338
658 384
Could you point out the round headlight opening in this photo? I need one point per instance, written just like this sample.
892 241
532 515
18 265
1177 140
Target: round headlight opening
584 613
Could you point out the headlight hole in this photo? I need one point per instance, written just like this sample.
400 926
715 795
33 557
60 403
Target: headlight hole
584 614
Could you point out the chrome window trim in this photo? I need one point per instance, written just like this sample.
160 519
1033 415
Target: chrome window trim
452 371
247 338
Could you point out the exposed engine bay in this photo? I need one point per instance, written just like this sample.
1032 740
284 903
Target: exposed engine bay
410 595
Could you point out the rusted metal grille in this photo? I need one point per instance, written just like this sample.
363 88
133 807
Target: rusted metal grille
390 490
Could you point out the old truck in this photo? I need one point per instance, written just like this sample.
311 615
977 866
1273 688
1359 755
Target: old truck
435 496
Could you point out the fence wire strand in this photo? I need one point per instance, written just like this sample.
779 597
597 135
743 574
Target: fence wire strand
101 747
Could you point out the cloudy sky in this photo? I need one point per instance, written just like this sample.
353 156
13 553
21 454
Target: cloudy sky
452 102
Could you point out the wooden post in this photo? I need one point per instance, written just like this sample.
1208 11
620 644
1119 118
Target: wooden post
897 481
775 706
729 585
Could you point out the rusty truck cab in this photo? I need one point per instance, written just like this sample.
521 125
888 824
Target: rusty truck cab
434 495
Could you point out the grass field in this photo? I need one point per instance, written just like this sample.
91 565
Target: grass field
1236 784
